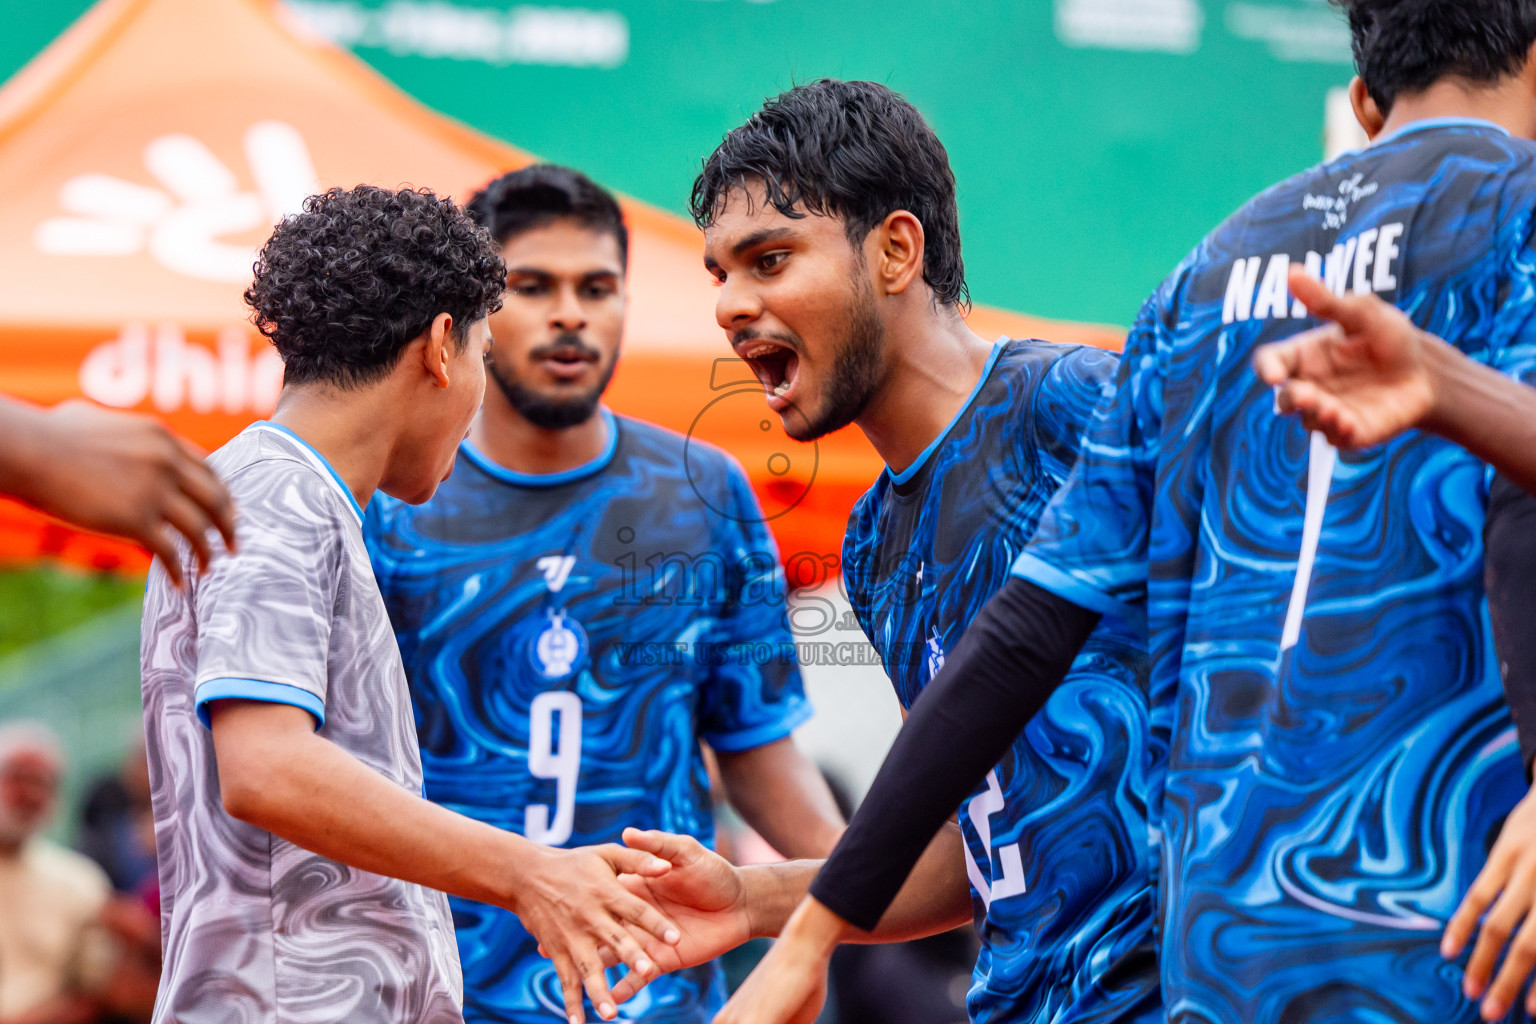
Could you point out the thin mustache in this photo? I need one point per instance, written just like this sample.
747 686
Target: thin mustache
742 337
566 343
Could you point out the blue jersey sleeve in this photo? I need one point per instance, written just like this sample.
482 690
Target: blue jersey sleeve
1091 545
754 695
1064 405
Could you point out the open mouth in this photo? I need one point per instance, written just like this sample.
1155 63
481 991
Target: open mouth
774 365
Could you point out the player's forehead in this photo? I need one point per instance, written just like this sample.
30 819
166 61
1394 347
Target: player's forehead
563 247
745 220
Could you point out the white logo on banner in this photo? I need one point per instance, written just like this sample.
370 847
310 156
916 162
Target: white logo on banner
199 203
161 365
1171 26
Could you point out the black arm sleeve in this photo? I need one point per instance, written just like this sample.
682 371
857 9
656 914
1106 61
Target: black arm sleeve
1509 567
1006 666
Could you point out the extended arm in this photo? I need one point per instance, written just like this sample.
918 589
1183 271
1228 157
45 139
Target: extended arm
119 474
782 795
1506 887
1372 374
276 773
1006 666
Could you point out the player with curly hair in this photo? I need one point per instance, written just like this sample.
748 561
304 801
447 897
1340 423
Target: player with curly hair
297 856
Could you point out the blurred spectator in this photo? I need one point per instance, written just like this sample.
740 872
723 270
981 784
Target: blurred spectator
56 957
112 824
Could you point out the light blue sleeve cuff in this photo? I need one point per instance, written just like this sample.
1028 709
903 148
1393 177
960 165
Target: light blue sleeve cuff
1048 577
257 689
793 718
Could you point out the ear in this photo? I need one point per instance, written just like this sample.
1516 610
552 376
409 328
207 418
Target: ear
1366 111
437 350
898 252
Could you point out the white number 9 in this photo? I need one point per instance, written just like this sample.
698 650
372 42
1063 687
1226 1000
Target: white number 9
548 760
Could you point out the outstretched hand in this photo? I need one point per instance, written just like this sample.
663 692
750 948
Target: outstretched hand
1360 380
119 474
584 919
1507 884
703 894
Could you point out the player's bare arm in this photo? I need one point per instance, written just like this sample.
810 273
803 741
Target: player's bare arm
277 774
58 459
1371 373
719 906
782 795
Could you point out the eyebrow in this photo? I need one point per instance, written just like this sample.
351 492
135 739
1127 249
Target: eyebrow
752 241
542 272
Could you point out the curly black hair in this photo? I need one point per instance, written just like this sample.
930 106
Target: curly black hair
522 200
856 150
342 288
1405 46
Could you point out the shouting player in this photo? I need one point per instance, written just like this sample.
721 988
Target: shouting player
831 224
1323 666
295 848
577 607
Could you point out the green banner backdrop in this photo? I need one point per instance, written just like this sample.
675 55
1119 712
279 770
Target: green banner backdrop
1094 141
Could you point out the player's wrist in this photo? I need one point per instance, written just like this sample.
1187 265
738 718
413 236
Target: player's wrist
26 444
1452 383
769 895
814 929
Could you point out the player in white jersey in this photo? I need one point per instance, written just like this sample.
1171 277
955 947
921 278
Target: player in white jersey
297 856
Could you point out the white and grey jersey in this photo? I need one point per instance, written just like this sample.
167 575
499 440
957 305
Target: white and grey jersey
255 929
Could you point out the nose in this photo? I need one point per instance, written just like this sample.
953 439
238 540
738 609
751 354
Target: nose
568 314
737 304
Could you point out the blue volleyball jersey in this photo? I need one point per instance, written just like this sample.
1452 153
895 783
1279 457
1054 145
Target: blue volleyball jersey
569 639
1339 751
1057 846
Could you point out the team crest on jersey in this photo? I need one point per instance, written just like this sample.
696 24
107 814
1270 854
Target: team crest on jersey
935 652
556 645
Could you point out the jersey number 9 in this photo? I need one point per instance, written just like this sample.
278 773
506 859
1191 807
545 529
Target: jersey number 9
548 759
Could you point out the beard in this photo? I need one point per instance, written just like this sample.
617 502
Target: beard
856 368
548 412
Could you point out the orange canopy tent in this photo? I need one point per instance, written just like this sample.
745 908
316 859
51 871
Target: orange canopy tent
148 151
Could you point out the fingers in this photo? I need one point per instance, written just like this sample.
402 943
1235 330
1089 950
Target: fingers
637 912
207 491
595 980
1277 363
1518 963
570 990
674 849
1498 926
1485 889
189 521
1348 311
159 543
624 860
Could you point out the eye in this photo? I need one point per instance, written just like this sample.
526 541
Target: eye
598 290
530 289
770 261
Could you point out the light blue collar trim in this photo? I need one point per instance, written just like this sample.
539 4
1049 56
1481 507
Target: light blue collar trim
565 476
319 461
1441 122
921 460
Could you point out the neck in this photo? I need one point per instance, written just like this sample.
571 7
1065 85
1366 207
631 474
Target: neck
931 369
1510 104
509 439
343 426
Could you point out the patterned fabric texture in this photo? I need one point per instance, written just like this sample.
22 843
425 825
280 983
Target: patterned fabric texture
1340 755
569 639
255 929
1056 840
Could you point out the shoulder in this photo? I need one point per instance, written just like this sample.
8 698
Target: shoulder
273 481
705 464
74 877
1045 374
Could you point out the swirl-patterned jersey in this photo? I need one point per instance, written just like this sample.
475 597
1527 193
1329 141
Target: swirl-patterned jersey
1056 840
256 929
569 639
1340 755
